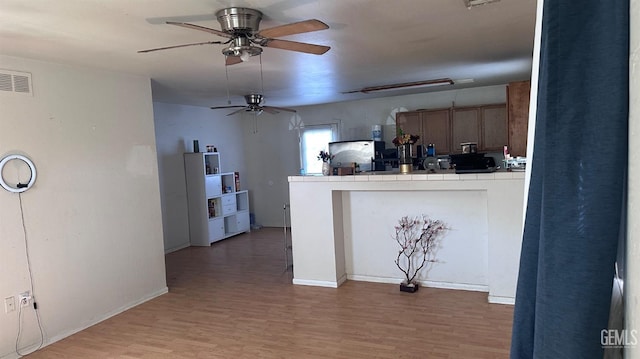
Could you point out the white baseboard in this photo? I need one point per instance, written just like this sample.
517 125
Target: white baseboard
364 278
315 283
342 279
175 249
424 283
84 326
457 286
501 300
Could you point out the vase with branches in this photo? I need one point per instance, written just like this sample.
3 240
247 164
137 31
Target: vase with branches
419 238
326 157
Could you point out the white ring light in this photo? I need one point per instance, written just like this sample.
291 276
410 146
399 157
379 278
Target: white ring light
22 188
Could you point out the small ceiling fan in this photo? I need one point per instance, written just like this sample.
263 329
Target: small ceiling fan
253 105
240 26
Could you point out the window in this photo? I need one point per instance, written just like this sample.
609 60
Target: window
313 139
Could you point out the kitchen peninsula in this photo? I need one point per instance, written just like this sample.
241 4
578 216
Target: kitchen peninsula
342 227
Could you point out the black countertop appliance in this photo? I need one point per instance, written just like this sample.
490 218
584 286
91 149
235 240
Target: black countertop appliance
473 163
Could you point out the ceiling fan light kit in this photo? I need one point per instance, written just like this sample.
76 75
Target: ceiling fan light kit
240 22
241 47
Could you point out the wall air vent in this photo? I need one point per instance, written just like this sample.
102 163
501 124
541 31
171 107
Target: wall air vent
16 82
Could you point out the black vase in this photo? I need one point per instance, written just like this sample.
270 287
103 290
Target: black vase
409 288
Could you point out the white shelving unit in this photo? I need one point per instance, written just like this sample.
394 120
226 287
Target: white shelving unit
217 208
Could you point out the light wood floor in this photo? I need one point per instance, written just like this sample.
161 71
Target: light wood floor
235 300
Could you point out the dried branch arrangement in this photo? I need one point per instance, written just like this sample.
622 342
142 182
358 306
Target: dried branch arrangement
418 237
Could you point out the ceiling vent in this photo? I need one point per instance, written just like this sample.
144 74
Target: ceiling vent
16 82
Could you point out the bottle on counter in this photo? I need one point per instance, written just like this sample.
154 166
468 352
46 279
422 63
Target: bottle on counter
431 150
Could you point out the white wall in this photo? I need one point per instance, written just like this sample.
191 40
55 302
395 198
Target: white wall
93 219
272 153
176 128
462 255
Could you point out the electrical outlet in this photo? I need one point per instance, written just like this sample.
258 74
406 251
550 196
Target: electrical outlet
24 298
9 304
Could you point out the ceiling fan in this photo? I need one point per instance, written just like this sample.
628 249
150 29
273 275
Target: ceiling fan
240 26
253 105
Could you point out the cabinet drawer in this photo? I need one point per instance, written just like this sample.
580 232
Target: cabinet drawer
229 200
228 208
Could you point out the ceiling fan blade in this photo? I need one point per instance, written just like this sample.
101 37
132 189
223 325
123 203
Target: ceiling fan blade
201 28
234 112
270 110
221 107
177 46
232 60
267 108
294 28
297 46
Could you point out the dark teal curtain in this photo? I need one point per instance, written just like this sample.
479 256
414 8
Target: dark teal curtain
574 213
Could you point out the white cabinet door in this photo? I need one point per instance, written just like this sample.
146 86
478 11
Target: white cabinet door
242 220
216 229
213 186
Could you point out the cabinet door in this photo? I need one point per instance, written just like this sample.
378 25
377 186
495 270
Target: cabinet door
518 116
212 186
242 221
436 129
216 229
494 128
465 127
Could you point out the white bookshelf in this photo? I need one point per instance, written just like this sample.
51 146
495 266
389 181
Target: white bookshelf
218 209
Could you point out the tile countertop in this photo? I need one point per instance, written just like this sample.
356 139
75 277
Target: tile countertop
443 175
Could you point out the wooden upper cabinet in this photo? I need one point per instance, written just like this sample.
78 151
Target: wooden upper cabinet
433 126
518 116
447 128
436 129
493 128
465 127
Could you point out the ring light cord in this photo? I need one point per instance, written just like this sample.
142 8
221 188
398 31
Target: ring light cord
33 296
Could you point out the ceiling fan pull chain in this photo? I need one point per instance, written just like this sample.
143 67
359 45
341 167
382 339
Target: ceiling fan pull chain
261 77
255 123
226 73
